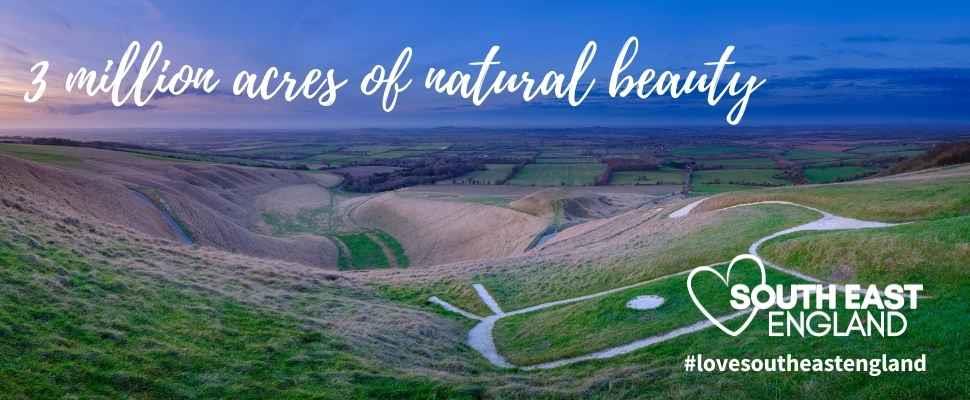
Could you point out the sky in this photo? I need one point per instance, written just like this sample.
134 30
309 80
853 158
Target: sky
824 62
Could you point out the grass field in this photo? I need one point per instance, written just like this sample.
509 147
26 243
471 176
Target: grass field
668 176
580 328
396 248
835 174
364 252
558 175
367 250
492 175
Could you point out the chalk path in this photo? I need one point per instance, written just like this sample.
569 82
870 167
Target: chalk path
481 339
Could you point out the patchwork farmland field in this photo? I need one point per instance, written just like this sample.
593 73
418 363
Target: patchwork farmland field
836 174
493 174
558 175
728 163
665 176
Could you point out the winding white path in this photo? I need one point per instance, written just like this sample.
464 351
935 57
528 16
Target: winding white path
481 339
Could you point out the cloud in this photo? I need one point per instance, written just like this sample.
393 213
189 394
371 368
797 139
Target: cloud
90 108
864 53
942 84
870 38
14 49
956 41
802 57
754 64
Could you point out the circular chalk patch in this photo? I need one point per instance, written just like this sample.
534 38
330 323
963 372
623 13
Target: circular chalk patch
648 302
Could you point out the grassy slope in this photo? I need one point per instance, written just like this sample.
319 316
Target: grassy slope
40 154
73 328
318 221
935 253
884 201
937 329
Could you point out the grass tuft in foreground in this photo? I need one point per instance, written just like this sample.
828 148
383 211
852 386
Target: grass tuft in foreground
70 328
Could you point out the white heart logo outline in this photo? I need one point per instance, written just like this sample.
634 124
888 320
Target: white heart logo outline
726 279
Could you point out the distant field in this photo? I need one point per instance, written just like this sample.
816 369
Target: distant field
365 170
729 180
888 148
565 160
710 150
835 174
807 154
763 177
558 174
372 149
335 158
709 188
430 146
492 175
667 176
399 154
758 162
277 151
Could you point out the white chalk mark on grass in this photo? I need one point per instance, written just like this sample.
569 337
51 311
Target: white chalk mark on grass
637 345
487 299
480 337
681 213
447 306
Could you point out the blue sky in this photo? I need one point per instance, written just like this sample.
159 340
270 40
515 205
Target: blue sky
826 62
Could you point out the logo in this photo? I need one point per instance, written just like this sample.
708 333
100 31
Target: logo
811 309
